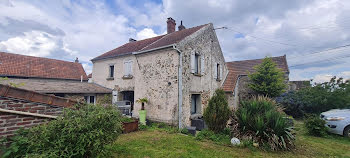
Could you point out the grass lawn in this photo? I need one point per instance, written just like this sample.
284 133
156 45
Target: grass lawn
157 143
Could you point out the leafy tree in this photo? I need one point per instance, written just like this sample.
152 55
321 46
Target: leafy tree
267 80
217 113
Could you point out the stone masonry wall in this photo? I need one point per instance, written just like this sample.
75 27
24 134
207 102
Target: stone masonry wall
10 122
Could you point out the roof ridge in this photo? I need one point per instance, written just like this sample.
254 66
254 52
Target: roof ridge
39 57
154 41
253 59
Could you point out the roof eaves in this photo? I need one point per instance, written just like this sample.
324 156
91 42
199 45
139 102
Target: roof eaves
107 57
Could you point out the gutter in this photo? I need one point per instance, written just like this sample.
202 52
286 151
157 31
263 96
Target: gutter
180 86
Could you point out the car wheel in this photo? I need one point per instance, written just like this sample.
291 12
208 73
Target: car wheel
347 131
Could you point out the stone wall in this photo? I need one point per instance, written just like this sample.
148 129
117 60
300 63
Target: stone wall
10 122
205 43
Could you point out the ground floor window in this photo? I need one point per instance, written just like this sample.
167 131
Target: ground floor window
91 99
195 104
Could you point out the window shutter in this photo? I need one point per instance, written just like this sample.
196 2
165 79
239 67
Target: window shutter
130 67
215 71
126 68
193 60
220 72
202 65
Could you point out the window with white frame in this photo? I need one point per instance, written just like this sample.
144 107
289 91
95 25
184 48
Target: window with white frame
197 64
128 68
90 99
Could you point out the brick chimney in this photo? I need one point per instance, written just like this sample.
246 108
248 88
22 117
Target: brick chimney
170 25
181 27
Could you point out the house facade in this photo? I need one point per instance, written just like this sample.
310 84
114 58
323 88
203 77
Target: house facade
178 72
50 76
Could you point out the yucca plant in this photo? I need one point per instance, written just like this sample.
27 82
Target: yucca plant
261 119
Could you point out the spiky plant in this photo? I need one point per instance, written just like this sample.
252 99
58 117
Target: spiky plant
142 101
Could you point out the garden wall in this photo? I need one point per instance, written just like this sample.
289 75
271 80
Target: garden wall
21 108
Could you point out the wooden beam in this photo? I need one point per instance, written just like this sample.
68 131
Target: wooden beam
28 113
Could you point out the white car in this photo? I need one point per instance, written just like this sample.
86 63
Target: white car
337 121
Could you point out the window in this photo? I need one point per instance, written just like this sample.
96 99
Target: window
111 71
128 68
218 71
195 104
91 99
197 64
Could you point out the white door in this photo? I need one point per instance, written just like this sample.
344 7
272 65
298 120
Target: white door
115 97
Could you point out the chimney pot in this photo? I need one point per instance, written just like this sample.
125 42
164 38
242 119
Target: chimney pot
181 27
76 60
170 25
132 40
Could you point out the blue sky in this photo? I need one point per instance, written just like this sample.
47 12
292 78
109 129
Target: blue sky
301 29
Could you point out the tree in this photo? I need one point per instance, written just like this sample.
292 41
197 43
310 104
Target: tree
217 113
267 80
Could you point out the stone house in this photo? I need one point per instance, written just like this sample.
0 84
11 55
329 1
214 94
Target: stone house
178 72
236 83
50 76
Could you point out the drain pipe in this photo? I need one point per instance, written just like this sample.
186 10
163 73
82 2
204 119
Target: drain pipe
180 86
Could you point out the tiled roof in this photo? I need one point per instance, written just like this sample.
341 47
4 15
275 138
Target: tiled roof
237 68
149 43
37 67
57 86
90 75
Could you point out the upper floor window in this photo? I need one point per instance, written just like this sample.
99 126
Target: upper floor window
217 71
128 68
111 71
197 64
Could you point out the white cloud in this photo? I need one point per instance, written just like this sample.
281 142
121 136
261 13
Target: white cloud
34 43
145 33
322 78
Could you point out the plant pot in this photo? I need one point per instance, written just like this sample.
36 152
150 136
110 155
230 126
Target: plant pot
130 126
142 116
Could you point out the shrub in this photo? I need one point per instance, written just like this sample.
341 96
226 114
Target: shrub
79 133
316 126
267 80
217 113
261 119
317 99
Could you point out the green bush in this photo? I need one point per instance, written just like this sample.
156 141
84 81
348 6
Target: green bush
79 133
319 98
260 119
316 126
217 113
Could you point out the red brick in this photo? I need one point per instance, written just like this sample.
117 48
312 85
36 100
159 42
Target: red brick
2 129
38 108
15 105
28 119
39 121
6 117
24 123
12 128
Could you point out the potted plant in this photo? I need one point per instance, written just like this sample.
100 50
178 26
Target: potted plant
142 112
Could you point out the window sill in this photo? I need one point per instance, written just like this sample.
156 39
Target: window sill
126 77
110 78
197 74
